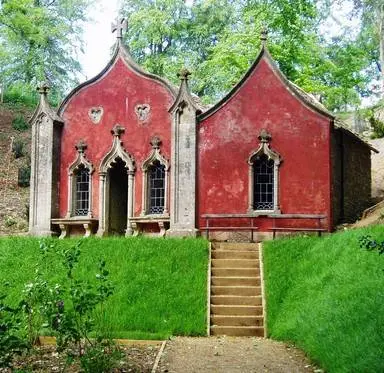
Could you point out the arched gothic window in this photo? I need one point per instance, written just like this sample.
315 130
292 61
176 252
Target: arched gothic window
156 188
80 184
155 184
82 191
263 184
264 177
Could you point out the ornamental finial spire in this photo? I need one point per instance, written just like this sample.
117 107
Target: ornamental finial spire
120 27
264 36
184 74
43 88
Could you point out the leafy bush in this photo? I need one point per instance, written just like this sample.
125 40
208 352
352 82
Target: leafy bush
10 222
19 123
23 176
377 127
18 148
368 243
10 326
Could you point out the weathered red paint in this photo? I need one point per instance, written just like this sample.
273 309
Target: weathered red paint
118 92
299 134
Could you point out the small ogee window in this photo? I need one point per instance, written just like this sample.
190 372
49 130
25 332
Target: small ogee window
156 185
82 192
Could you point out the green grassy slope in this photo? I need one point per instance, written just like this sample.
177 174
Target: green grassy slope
327 296
160 284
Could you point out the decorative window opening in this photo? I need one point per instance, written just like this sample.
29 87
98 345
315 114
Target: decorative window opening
263 170
82 192
264 177
155 185
80 184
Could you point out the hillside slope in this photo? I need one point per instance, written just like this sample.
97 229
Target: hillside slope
326 295
13 198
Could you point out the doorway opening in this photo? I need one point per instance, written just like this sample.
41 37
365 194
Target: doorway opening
118 198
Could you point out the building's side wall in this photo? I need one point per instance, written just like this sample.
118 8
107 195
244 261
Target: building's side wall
337 176
357 178
118 93
300 135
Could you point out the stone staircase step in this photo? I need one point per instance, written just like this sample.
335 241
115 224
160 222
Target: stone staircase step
235 246
235 263
236 300
236 290
227 320
235 272
241 331
236 281
233 254
236 310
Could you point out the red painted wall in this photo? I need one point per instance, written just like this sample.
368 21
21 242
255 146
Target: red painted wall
227 138
118 92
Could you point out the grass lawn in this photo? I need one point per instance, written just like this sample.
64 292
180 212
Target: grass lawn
327 296
160 284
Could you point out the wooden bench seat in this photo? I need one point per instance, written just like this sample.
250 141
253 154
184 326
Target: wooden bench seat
89 225
138 222
290 229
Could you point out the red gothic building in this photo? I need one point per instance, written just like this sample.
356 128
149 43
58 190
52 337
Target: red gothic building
127 153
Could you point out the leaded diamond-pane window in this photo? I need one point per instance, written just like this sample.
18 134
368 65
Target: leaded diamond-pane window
156 188
82 192
263 173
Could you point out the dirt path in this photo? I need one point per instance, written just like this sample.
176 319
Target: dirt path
232 355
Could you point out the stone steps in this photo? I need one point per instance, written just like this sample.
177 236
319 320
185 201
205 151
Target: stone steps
236 294
238 331
236 281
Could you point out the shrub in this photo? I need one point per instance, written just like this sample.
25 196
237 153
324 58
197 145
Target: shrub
377 127
10 326
9 222
19 123
23 176
18 148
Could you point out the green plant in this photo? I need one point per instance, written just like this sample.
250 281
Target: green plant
23 176
100 357
10 222
18 148
377 127
368 243
19 123
10 326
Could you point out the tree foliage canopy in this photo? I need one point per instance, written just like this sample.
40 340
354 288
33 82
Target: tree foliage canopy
218 40
39 40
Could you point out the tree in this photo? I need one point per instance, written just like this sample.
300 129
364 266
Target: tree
39 40
372 32
218 40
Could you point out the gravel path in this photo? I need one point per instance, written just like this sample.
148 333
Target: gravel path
232 354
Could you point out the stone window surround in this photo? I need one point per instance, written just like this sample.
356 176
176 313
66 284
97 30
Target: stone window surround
264 148
81 160
155 155
116 151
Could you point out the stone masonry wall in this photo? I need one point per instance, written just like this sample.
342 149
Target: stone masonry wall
336 177
357 178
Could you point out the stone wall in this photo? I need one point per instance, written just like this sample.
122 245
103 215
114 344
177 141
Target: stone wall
351 163
337 194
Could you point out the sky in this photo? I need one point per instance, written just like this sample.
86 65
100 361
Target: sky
98 38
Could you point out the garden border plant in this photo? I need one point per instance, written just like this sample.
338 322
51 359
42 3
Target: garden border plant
66 310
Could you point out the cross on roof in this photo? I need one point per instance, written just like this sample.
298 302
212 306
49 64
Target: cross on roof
120 26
